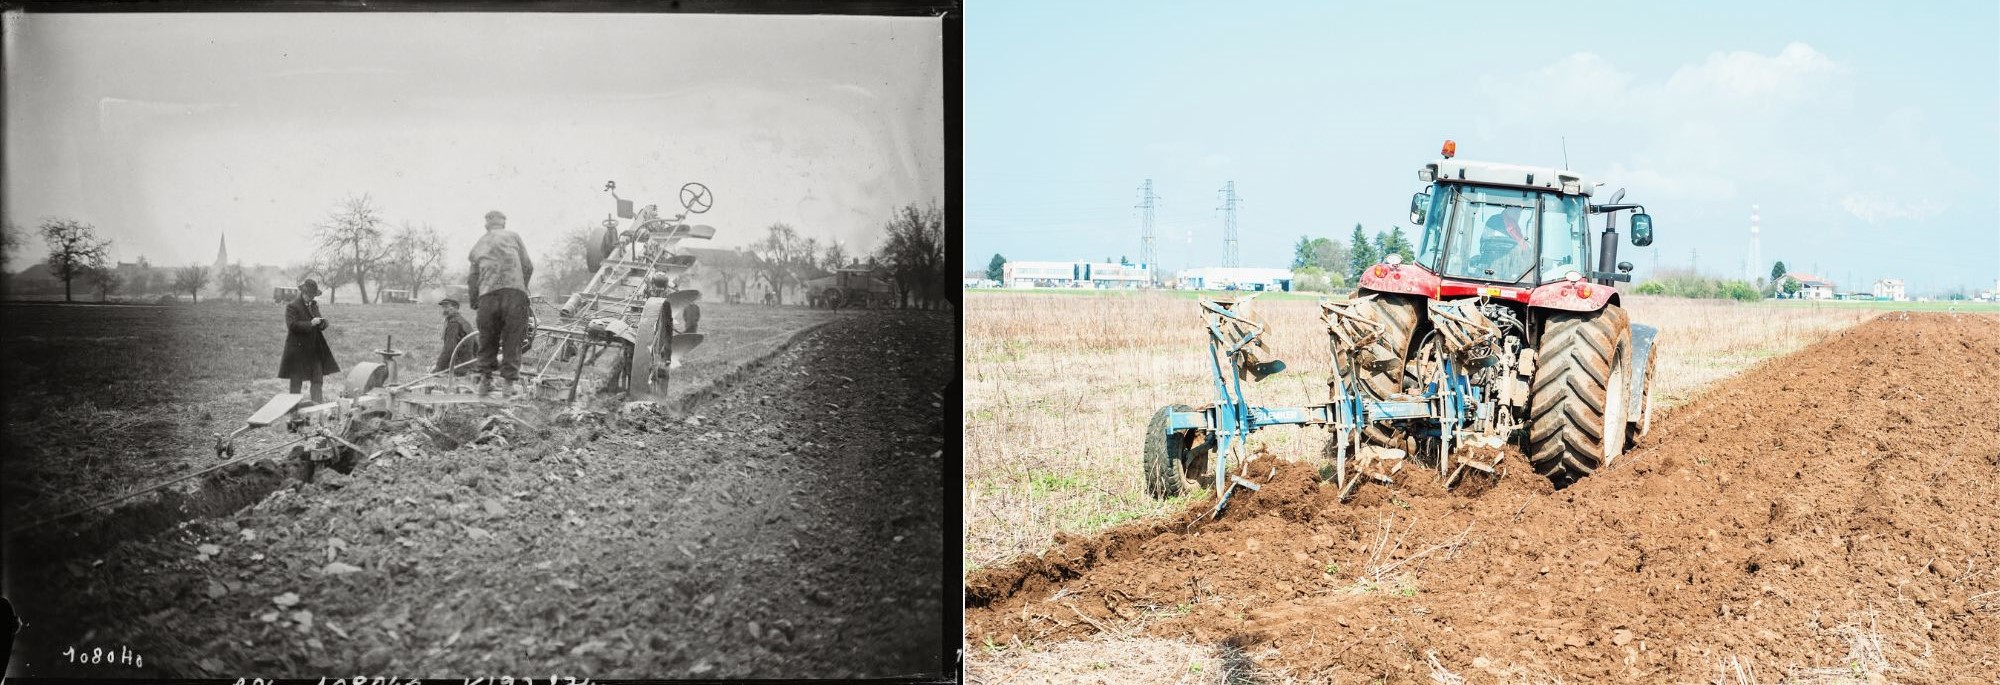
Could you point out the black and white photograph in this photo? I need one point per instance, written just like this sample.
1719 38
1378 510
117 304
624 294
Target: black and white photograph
546 345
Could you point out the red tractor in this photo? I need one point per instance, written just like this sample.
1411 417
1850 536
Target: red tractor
1568 378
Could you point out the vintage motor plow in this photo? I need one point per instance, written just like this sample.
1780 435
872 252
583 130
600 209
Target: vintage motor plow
1453 422
628 309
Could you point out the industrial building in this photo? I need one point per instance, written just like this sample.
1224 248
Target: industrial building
1075 275
1235 278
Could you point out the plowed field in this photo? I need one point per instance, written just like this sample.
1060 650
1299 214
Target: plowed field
1829 515
789 526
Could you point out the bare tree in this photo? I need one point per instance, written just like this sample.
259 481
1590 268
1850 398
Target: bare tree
191 279
10 241
809 253
914 253
836 256
415 257
234 280
104 280
567 264
777 254
73 250
352 242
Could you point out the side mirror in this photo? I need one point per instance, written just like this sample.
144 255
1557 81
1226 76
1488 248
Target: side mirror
1624 267
1420 204
1642 230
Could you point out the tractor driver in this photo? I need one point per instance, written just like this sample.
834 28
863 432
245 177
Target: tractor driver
1503 245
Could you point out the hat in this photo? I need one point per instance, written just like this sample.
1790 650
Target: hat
309 285
448 301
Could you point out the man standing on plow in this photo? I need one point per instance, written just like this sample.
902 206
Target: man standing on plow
498 288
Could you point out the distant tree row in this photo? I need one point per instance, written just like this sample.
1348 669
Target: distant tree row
912 256
1687 283
77 257
1325 264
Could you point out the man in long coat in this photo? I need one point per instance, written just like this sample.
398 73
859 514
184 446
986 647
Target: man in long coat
308 358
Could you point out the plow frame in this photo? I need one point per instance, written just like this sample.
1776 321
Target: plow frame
1228 422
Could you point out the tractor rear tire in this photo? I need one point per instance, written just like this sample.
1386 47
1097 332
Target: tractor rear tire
1399 316
1578 402
1165 456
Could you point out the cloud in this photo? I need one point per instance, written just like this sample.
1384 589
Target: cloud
1876 210
1735 126
1738 79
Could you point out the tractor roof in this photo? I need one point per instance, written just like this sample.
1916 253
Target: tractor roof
1511 175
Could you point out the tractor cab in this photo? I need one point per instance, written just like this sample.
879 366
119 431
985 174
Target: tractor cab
1488 224
1511 234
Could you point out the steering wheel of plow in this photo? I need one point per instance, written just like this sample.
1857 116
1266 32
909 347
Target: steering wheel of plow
696 198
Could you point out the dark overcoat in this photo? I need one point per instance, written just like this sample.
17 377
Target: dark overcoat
455 330
307 356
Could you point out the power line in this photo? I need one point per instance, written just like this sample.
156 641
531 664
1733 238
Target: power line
1148 251
1229 202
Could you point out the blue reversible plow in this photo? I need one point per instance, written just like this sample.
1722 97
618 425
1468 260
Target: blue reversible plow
1451 423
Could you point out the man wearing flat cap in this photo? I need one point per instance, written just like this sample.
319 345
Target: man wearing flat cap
453 355
308 358
497 285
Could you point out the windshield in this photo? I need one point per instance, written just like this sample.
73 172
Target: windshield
1565 236
1489 234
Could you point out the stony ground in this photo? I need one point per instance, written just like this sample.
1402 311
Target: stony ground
789 527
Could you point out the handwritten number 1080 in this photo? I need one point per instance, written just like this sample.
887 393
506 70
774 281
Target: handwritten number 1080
102 656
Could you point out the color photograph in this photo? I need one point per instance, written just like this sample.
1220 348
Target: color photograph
1482 343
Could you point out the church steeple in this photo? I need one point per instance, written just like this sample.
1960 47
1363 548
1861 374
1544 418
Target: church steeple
221 253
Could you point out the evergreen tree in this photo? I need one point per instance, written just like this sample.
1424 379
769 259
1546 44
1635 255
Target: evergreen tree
996 269
1399 244
1361 255
1777 271
1303 254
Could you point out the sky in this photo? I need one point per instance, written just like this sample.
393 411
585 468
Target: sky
170 132
1866 134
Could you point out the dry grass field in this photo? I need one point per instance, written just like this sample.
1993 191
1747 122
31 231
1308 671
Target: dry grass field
1058 390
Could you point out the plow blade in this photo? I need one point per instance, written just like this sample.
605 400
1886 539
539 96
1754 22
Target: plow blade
676 265
668 237
275 409
697 232
682 343
680 299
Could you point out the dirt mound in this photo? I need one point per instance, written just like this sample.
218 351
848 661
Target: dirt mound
1835 509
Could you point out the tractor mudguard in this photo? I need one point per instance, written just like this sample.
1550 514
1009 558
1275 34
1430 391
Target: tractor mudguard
1642 352
1405 279
1568 296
